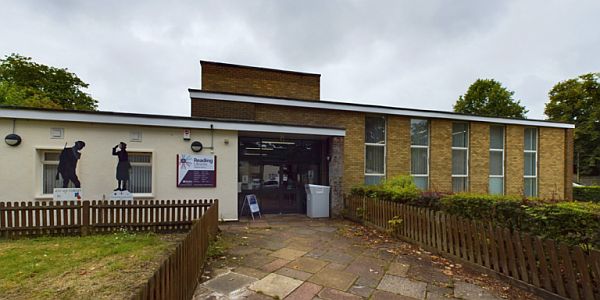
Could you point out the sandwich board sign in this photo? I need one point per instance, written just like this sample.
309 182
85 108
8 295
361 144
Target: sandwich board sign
252 203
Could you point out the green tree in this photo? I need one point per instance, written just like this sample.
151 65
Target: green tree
487 97
27 83
577 101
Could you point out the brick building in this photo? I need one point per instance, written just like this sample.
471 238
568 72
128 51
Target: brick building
271 134
443 151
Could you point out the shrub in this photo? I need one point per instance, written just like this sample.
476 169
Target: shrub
587 193
398 189
574 223
505 211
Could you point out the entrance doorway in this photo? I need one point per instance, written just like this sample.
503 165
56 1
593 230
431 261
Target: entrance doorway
276 171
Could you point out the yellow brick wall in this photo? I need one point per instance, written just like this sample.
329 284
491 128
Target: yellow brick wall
551 155
554 154
479 157
440 165
514 157
398 146
227 78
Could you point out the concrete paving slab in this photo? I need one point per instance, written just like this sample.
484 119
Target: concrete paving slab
252 272
229 283
306 291
470 291
403 286
325 228
296 274
338 257
333 294
288 253
256 260
383 295
398 269
339 280
275 285
307 264
274 265
336 266
361 290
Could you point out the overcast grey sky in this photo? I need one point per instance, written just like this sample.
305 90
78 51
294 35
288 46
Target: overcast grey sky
142 56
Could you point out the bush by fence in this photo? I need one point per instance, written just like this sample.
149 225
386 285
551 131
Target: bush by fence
587 193
574 223
551 269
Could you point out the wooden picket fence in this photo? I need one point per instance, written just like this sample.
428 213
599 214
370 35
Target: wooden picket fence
20 219
550 269
179 274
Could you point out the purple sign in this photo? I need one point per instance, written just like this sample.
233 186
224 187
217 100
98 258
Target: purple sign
196 170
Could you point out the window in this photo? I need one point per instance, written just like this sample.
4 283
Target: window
419 152
374 149
49 171
496 181
140 180
460 157
530 168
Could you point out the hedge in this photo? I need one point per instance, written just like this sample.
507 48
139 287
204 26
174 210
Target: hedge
587 193
400 189
574 223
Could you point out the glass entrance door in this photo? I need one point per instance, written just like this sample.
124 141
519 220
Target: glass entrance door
276 172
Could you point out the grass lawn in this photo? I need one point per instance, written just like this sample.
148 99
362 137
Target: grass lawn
110 266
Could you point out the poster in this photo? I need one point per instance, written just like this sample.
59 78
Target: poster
196 170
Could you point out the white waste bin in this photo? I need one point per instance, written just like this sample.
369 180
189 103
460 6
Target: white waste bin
317 201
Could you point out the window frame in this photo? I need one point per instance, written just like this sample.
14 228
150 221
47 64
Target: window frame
466 149
536 169
41 152
152 171
384 145
421 147
503 151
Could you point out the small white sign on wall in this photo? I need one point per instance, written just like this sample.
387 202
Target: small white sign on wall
66 194
121 195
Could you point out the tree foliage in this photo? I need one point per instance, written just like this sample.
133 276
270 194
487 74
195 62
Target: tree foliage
577 101
487 97
27 83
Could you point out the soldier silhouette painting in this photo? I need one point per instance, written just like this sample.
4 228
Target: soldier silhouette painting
122 167
67 164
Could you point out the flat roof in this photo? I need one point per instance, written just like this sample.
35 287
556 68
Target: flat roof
367 108
119 118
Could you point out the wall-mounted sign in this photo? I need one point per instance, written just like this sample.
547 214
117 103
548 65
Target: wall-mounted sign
66 194
196 170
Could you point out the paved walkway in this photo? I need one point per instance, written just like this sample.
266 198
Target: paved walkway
293 257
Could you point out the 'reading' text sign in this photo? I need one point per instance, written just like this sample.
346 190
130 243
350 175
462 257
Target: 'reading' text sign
196 170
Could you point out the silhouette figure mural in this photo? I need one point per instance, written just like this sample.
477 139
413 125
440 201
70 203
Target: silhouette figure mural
67 164
122 167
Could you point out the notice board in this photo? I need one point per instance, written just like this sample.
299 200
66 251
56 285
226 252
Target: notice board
196 170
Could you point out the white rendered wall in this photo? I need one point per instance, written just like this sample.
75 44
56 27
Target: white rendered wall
20 167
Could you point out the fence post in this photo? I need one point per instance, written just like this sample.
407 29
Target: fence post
85 218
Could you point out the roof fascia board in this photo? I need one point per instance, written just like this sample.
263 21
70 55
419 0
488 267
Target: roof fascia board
371 109
164 122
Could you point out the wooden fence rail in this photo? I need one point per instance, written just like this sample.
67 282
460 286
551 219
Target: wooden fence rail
178 275
550 269
18 219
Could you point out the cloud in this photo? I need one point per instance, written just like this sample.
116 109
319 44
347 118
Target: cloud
141 56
